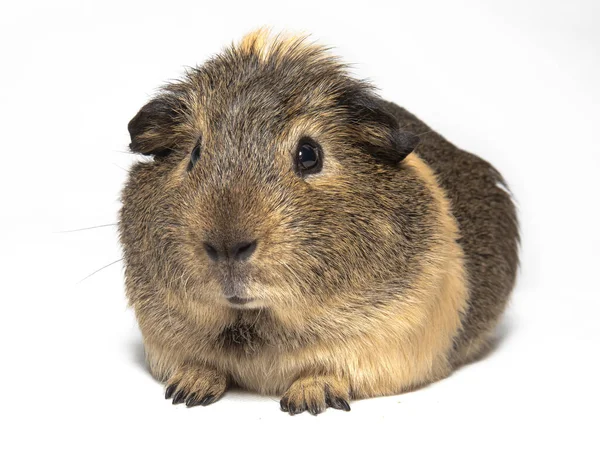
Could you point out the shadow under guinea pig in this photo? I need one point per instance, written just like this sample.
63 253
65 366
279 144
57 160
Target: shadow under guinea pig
138 354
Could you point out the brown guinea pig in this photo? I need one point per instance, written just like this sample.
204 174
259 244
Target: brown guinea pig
294 234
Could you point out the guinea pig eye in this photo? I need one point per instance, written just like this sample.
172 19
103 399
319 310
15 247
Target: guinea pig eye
309 157
195 156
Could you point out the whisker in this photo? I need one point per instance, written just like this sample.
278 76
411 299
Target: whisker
143 222
101 268
88 228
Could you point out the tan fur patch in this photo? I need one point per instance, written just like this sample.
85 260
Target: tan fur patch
266 45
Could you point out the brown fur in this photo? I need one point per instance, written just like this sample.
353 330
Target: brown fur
376 275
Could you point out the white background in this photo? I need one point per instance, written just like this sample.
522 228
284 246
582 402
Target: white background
515 82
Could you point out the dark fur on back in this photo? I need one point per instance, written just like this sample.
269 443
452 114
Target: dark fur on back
488 226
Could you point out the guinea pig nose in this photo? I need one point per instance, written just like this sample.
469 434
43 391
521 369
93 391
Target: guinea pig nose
236 252
211 251
242 250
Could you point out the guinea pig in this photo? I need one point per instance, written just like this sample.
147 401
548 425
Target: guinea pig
293 234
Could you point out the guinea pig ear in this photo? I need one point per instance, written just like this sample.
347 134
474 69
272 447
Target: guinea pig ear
378 130
153 129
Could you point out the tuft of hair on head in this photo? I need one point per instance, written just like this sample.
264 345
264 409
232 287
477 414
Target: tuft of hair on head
275 47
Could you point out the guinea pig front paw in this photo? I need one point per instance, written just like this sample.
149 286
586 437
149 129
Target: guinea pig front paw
315 393
196 385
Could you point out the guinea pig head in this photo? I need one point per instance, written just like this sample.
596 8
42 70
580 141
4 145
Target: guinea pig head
272 181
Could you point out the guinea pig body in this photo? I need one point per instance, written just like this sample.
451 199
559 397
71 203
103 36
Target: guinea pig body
296 235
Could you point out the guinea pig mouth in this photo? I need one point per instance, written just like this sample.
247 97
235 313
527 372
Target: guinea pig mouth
234 288
235 300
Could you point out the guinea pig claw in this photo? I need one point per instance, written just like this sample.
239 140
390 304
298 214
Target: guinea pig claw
192 400
288 406
284 405
179 397
170 390
207 400
338 403
293 408
315 409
